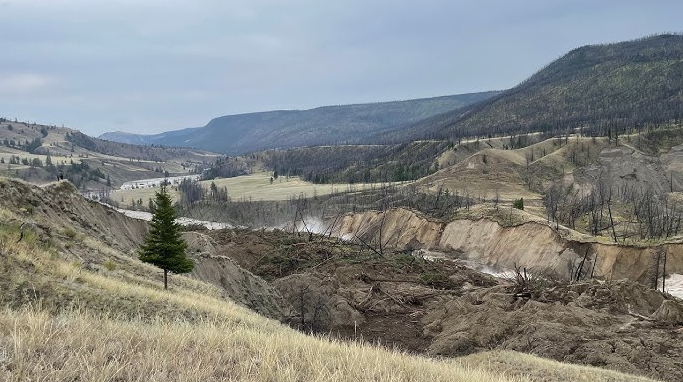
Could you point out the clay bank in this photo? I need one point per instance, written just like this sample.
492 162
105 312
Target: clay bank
534 245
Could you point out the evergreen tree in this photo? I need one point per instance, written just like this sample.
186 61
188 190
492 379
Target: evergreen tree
518 204
164 246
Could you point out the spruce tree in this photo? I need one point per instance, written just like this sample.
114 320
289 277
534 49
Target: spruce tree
164 246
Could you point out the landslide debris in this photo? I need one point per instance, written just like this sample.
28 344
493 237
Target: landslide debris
532 244
346 289
444 308
241 285
619 325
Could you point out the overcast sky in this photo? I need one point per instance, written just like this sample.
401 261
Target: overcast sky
147 66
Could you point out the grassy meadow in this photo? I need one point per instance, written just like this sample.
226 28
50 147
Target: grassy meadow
254 186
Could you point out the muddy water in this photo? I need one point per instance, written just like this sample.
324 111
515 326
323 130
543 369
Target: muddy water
142 215
498 272
673 285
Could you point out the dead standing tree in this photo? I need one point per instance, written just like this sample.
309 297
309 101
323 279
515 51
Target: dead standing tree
608 200
659 265
312 305
552 201
376 240
301 204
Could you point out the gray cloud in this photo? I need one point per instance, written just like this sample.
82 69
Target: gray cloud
160 65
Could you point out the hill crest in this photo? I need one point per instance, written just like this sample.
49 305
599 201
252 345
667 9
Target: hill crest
355 123
597 88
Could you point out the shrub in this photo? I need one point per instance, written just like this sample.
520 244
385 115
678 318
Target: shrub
518 204
70 233
109 265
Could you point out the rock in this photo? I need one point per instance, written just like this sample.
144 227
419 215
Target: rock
670 311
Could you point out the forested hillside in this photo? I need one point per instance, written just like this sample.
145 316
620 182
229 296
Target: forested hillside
355 124
601 90
604 89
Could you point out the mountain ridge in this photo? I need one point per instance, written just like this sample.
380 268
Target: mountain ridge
353 123
615 86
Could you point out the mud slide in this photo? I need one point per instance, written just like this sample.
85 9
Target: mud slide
532 245
239 284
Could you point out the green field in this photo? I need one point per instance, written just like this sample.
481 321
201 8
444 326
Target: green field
258 187
255 187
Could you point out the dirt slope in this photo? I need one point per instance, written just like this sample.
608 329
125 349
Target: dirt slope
585 323
442 308
241 285
484 174
58 210
99 237
533 245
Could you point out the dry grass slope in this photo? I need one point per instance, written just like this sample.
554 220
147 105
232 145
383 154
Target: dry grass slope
542 370
110 333
77 346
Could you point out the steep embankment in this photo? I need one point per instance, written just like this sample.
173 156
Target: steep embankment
241 285
100 238
57 211
532 244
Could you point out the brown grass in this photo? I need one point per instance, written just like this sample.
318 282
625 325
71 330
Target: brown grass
130 329
79 346
541 370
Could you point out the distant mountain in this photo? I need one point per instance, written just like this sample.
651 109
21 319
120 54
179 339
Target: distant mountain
599 87
140 139
123 137
361 123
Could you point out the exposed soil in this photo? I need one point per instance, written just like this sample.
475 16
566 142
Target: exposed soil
444 308
622 326
532 244
57 212
239 284
347 290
